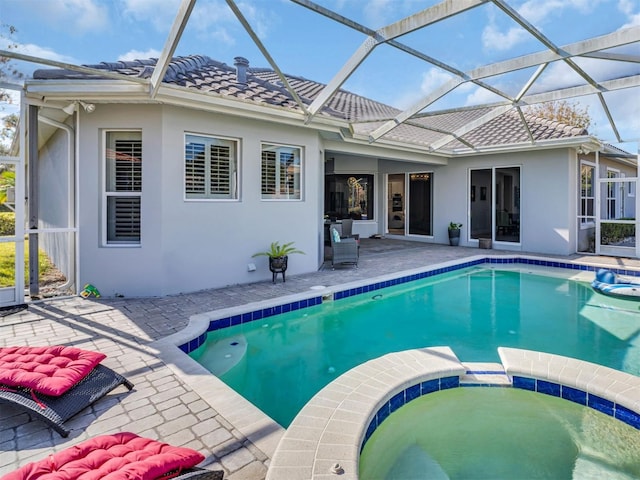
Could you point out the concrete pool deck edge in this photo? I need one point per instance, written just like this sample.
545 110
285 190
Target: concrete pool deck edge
324 441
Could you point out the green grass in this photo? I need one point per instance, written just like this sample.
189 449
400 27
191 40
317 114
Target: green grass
7 263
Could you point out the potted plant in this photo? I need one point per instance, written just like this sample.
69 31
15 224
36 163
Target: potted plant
278 258
454 233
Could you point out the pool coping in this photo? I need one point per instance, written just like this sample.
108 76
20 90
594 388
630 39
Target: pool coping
252 422
195 334
325 439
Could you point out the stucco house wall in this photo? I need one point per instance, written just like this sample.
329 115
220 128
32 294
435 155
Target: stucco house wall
547 220
189 245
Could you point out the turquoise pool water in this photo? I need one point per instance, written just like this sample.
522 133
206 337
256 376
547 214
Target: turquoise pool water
499 433
281 362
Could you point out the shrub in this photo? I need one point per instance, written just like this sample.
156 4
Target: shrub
7 224
612 233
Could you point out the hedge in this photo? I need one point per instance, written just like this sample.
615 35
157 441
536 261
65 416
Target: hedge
7 224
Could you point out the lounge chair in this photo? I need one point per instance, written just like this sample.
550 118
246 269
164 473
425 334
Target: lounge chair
122 455
343 250
55 383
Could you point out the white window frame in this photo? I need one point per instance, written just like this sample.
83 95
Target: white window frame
587 221
632 187
613 173
107 194
281 193
234 170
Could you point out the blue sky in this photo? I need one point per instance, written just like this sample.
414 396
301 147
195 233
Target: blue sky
310 45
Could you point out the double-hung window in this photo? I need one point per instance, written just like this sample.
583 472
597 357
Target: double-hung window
281 172
123 187
210 168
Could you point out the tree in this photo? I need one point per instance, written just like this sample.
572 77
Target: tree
8 71
564 112
7 171
8 125
9 74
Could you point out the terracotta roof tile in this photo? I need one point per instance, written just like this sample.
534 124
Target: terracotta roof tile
263 86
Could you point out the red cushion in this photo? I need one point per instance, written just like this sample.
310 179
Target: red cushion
47 370
122 456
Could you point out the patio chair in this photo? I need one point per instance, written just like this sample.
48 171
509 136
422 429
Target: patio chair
53 384
119 456
347 230
343 250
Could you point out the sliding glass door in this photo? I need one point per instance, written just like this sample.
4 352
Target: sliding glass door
494 204
410 204
420 206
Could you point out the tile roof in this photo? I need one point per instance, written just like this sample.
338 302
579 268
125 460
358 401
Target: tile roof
263 86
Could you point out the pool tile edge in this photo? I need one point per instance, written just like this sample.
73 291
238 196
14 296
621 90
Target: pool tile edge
440 370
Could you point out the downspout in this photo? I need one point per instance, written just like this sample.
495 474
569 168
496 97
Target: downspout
71 210
32 173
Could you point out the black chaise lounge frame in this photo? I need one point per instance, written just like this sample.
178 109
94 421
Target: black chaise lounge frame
200 474
57 410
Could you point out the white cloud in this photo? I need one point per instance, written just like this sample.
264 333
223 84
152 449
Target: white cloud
159 13
624 114
431 80
493 39
139 55
43 52
27 68
481 96
215 21
74 17
634 21
627 8
377 12
536 12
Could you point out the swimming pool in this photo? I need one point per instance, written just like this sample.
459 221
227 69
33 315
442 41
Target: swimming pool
499 433
280 362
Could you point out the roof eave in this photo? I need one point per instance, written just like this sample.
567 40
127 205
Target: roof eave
213 102
125 92
94 89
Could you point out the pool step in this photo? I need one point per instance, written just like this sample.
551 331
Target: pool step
484 374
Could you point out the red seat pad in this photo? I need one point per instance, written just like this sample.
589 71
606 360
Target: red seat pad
122 456
47 370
